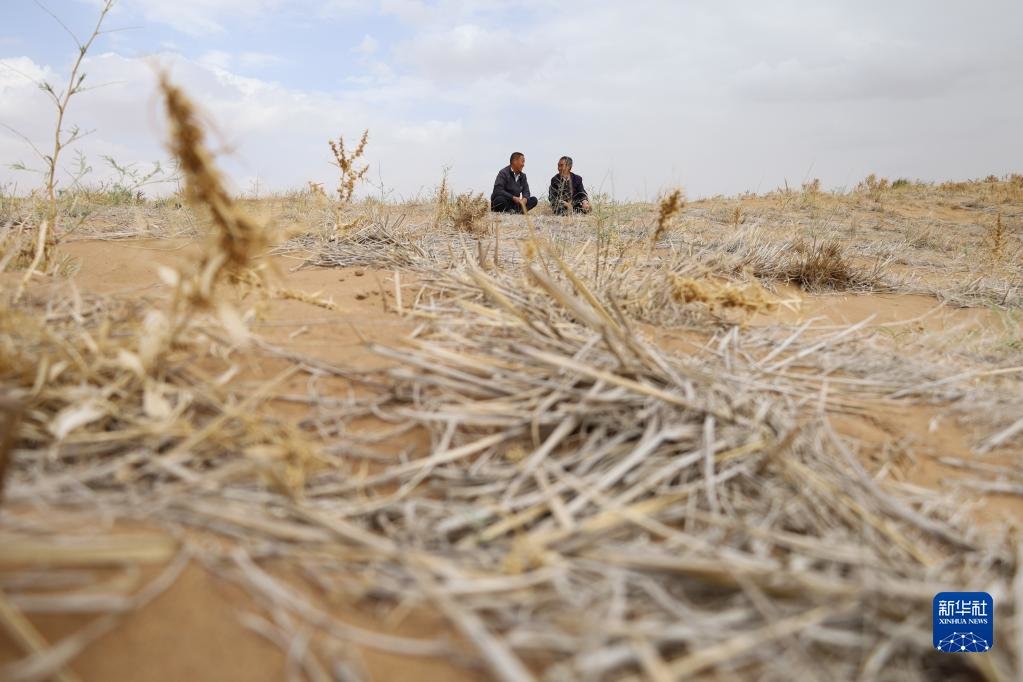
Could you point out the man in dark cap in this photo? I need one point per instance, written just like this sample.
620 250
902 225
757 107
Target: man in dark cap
567 193
511 189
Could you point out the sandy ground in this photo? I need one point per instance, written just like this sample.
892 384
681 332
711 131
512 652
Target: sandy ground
192 631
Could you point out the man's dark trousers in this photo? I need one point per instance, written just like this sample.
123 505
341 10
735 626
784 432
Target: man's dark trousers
509 206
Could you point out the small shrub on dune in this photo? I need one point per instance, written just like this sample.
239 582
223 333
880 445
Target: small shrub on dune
875 188
821 265
349 174
468 212
953 187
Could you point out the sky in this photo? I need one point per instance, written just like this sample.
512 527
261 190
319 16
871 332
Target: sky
718 97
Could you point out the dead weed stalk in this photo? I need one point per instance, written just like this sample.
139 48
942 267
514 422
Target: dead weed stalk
345 162
668 208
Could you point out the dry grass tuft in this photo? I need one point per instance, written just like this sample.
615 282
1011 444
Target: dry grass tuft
875 188
811 194
750 298
738 217
821 265
813 187
468 213
954 187
996 239
443 199
670 205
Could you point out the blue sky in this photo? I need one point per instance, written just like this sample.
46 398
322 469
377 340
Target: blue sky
719 97
282 44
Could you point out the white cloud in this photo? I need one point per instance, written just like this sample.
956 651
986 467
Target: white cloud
259 60
216 59
204 17
275 133
721 98
226 61
408 10
469 51
430 132
22 72
341 8
265 125
367 46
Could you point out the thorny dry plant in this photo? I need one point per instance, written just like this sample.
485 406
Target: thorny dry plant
345 162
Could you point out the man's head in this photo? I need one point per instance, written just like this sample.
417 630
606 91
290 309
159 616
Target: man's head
517 161
564 165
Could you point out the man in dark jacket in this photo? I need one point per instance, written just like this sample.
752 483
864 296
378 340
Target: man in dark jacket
511 189
567 193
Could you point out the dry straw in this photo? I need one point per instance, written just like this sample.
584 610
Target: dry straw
592 504
750 298
239 238
468 212
668 208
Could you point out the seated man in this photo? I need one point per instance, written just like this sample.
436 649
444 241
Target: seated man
511 189
567 193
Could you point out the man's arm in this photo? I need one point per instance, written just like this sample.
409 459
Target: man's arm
552 193
525 187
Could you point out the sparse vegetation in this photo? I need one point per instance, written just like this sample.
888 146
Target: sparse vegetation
62 139
821 265
316 189
587 354
604 415
875 189
349 173
737 217
468 212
